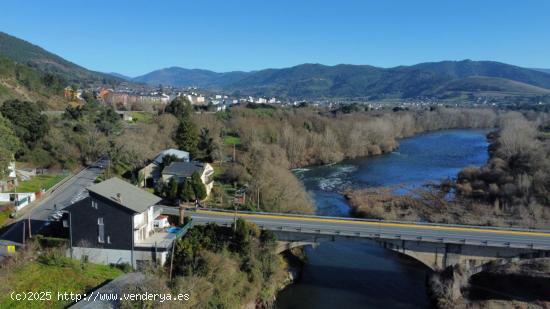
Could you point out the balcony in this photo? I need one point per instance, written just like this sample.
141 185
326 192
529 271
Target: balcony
160 239
163 238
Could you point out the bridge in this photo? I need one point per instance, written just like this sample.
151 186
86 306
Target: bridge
435 245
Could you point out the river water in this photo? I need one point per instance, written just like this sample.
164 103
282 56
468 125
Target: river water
359 274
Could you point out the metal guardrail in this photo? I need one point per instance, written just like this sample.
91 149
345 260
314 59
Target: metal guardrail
183 230
518 229
325 232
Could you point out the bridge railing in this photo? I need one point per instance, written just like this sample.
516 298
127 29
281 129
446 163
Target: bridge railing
488 227
331 233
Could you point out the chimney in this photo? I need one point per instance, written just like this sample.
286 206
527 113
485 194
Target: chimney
119 197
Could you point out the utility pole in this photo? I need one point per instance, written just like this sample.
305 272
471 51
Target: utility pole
24 228
182 213
234 152
29 220
258 198
172 259
235 218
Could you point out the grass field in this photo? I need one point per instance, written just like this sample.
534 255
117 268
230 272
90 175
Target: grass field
144 117
264 112
4 214
231 140
35 276
45 181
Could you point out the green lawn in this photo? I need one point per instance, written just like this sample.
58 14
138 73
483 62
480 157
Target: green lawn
144 117
228 188
231 140
38 277
264 111
218 171
544 135
4 215
45 181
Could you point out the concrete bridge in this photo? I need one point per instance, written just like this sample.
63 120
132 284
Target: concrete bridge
435 245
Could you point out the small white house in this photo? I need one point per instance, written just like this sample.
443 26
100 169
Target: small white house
161 222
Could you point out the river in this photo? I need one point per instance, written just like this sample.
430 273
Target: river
358 274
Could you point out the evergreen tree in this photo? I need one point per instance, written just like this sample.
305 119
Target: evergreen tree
28 122
180 107
187 194
198 187
206 145
186 136
167 160
172 189
159 187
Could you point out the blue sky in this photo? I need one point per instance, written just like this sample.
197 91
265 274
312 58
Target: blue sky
135 37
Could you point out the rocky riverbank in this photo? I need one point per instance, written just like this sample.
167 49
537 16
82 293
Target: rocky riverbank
294 260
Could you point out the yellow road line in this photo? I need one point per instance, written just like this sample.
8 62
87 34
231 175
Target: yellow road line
387 224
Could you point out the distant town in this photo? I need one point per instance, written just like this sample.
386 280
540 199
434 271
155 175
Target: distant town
140 97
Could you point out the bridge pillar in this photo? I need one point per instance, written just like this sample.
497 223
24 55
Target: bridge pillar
439 256
287 245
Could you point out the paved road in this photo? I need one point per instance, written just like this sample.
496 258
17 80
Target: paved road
69 192
381 229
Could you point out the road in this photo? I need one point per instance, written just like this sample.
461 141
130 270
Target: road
69 192
350 227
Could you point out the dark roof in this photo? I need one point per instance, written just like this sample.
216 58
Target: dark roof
181 154
184 169
116 286
131 197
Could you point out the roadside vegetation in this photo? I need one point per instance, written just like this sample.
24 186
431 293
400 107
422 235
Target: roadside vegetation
5 211
221 268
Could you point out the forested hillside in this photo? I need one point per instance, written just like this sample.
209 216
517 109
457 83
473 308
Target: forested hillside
19 81
42 60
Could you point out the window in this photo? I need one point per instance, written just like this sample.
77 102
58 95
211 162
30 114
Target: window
100 231
94 204
108 239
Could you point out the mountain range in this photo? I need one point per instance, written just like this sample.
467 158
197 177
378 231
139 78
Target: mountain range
445 79
542 70
439 79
